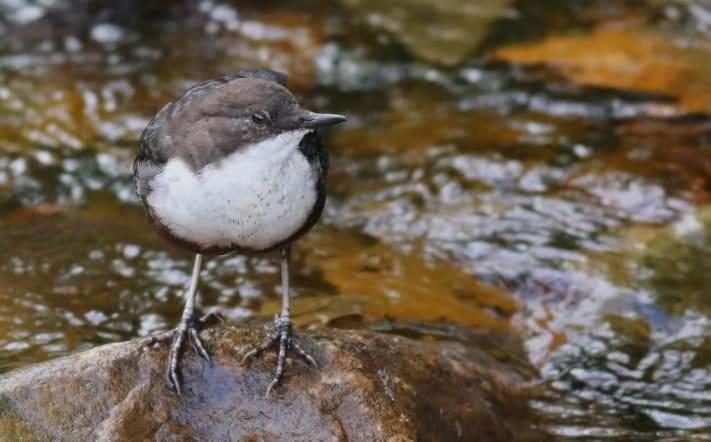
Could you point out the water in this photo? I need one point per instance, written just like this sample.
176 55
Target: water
539 175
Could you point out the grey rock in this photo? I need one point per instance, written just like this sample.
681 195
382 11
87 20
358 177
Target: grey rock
369 387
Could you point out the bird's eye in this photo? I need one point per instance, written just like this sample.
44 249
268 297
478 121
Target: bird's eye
260 118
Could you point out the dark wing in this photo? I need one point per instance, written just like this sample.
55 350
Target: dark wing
150 160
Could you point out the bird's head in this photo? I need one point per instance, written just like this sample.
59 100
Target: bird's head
215 118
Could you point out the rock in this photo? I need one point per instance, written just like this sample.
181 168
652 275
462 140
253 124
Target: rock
444 32
628 58
369 387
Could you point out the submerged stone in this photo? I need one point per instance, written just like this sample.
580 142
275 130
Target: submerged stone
444 32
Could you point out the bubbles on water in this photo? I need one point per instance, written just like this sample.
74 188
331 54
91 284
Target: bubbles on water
22 12
107 33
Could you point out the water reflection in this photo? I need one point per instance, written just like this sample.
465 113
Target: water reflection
635 379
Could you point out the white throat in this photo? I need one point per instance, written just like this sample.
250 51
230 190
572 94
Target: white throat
254 198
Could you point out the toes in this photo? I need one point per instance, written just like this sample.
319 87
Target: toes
210 319
174 382
172 374
304 354
282 336
250 354
160 338
179 336
198 345
268 342
273 384
283 347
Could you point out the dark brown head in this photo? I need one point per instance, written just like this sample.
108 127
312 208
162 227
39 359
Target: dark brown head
215 118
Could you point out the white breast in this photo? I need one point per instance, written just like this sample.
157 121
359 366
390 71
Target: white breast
254 198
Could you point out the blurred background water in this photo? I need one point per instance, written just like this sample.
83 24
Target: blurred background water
540 173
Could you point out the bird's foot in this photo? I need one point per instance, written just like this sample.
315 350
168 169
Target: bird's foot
187 330
284 336
205 321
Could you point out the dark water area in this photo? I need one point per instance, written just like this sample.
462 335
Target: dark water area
541 175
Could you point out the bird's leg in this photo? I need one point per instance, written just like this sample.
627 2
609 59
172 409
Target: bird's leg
186 331
283 333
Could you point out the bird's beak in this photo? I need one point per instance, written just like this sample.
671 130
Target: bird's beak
314 120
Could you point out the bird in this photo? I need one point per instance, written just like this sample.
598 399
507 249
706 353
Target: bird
234 165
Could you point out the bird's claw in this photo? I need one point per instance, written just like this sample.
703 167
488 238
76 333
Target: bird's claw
187 329
284 336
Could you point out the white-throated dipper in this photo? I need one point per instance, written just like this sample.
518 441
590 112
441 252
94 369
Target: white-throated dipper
234 165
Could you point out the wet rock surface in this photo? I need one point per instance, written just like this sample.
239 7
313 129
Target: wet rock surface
369 387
